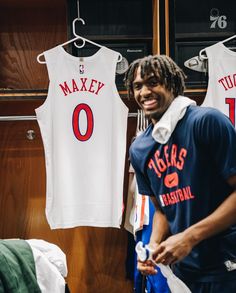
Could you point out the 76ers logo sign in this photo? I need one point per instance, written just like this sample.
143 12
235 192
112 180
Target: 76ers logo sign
75 122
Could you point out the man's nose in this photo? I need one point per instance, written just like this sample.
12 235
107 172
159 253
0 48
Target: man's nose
145 91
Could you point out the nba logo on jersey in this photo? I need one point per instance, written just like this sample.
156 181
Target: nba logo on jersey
81 68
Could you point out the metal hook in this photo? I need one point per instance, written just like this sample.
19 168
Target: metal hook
73 24
74 32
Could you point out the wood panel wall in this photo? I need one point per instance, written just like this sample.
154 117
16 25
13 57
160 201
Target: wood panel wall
95 256
27 29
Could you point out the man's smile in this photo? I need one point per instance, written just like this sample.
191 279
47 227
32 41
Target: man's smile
149 104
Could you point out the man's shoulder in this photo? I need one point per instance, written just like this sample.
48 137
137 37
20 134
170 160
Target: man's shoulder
207 122
198 113
142 144
200 110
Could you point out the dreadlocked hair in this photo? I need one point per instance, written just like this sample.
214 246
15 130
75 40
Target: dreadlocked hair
162 66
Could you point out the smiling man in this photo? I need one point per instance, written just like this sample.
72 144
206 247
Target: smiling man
186 162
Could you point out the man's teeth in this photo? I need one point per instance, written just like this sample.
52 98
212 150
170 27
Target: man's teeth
149 102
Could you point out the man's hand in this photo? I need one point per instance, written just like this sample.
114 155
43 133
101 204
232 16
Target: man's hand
173 249
146 268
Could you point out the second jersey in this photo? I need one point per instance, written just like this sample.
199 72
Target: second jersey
221 92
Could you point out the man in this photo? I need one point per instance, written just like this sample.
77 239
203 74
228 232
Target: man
190 175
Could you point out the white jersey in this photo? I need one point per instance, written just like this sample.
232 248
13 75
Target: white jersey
83 124
221 92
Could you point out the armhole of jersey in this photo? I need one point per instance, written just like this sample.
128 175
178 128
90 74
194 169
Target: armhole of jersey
46 101
209 84
50 69
115 90
209 65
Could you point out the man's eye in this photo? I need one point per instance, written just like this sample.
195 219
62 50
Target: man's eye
137 86
153 82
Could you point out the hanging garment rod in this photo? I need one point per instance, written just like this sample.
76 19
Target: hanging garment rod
24 118
17 118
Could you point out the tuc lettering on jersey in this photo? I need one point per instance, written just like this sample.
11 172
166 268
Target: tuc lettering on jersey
83 84
228 81
160 163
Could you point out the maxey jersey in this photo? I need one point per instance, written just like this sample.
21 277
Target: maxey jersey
187 175
83 123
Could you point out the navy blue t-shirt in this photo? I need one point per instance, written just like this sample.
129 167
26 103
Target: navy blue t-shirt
187 175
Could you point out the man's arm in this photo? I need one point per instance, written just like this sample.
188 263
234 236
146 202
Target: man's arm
160 231
178 246
160 226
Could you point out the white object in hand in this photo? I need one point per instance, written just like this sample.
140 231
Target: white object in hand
175 284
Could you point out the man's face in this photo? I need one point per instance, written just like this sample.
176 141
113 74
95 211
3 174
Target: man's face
151 96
